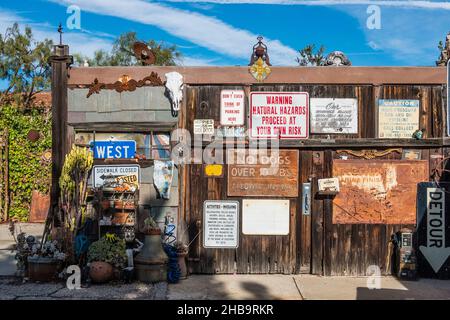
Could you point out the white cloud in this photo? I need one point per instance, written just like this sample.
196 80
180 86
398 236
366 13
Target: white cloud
80 42
406 3
196 62
202 30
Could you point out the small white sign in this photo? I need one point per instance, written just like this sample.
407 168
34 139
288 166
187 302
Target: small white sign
328 184
232 107
398 118
221 224
204 126
265 217
330 115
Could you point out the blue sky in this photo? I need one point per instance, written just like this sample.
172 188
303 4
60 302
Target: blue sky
222 32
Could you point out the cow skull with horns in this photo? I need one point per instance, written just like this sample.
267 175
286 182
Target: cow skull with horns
174 87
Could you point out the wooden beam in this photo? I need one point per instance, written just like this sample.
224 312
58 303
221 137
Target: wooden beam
287 75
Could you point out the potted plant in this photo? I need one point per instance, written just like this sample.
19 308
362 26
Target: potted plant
39 263
151 227
104 256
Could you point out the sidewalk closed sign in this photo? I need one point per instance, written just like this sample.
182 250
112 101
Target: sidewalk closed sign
114 149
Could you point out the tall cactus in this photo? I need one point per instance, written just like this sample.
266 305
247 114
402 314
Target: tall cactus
73 184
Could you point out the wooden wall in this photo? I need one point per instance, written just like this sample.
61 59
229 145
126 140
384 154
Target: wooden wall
314 244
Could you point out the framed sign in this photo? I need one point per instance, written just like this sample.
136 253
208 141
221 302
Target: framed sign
329 115
114 149
221 224
262 173
265 217
397 118
283 115
232 107
124 177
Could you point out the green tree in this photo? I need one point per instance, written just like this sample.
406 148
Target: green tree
24 65
311 57
122 53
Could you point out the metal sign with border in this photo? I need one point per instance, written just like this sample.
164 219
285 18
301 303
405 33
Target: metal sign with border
221 224
232 107
433 239
111 176
282 115
113 149
398 118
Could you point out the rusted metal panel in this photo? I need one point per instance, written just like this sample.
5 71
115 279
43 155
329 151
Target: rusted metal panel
39 206
377 191
256 177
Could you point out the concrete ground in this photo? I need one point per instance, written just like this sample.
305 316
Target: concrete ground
7 262
236 287
305 287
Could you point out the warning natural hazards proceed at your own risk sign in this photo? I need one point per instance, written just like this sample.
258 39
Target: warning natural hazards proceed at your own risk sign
283 115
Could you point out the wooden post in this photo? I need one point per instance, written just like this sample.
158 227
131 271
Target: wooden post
60 62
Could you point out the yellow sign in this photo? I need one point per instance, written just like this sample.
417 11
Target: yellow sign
213 170
260 70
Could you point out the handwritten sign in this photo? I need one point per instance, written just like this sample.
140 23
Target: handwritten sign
262 173
397 118
221 224
232 107
283 115
111 177
334 115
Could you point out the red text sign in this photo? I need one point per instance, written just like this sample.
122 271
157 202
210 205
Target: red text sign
232 107
283 115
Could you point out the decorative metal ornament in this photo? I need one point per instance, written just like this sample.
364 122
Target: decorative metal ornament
143 53
369 154
337 58
445 52
259 61
125 83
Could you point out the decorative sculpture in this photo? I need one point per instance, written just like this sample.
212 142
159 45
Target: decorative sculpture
174 87
337 58
259 61
445 52
125 83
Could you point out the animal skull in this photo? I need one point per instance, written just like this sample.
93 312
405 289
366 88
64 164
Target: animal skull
174 85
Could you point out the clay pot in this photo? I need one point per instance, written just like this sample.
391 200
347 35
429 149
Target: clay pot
122 218
100 271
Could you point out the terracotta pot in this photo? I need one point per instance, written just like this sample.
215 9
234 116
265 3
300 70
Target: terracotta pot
118 204
100 271
122 218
